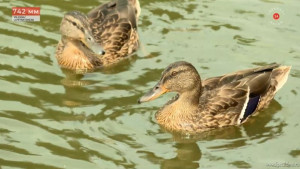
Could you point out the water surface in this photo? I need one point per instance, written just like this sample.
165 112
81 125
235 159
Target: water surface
51 118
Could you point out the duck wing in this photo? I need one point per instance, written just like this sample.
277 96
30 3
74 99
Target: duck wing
245 75
233 97
121 7
113 25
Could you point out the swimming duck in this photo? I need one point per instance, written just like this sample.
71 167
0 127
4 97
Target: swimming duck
104 36
215 102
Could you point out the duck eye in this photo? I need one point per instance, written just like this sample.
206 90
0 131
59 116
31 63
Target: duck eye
173 73
74 23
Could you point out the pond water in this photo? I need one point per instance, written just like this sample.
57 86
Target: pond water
51 118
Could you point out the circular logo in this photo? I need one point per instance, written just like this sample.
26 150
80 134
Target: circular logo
276 16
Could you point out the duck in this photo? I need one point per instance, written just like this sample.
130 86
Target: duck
106 35
226 100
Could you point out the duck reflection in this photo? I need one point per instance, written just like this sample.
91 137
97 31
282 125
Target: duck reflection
76 91
259 127
188 156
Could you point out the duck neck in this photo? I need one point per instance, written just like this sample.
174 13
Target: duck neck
179 113
185 104
190 98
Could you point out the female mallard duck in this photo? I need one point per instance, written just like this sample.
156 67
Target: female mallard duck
106 35
215 102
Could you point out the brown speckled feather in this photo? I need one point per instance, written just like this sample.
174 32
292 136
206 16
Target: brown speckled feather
230 93
114 27
223 104
216 81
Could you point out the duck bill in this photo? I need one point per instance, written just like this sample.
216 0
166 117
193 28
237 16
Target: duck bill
154 93
90 42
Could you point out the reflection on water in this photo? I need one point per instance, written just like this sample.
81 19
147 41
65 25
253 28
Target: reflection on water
54 118
188 156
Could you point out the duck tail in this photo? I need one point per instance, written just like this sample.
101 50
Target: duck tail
280 76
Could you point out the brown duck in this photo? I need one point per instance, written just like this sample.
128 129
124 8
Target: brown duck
215 102
106 35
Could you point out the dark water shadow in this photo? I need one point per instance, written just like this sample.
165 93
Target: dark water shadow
188 156
77 151
295 153
23 164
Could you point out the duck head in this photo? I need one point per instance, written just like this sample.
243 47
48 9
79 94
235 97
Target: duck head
180 77
76 28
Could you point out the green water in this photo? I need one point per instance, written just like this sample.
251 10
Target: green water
50 118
